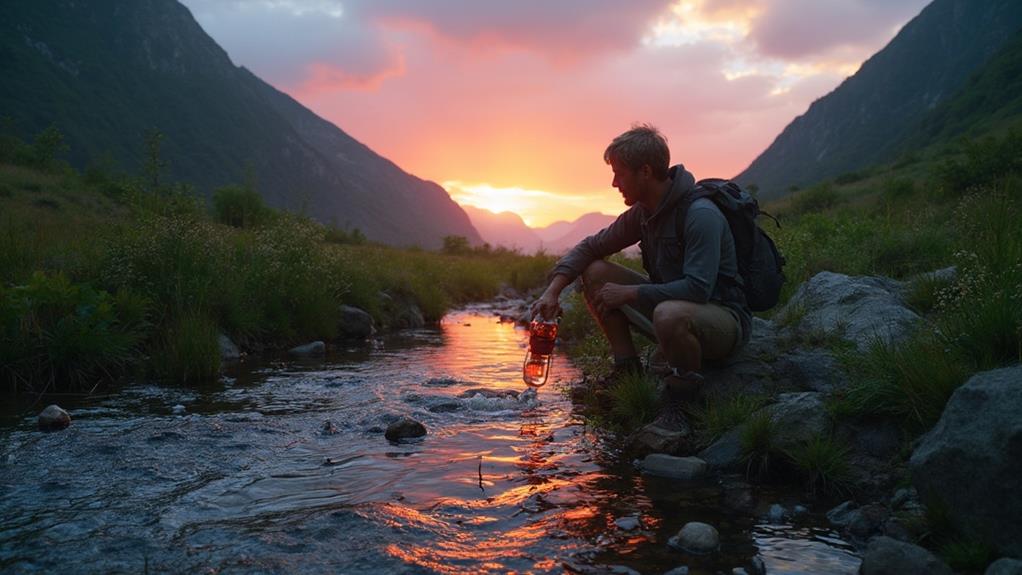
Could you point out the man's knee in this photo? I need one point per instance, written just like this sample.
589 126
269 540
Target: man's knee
594 276
672 315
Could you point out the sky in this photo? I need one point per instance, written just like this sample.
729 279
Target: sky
510 105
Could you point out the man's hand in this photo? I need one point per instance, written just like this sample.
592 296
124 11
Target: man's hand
547 306
612 296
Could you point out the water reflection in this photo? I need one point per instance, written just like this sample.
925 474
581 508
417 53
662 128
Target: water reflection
503 482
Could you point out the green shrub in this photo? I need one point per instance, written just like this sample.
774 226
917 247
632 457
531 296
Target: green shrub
925 292
62 336
635 400
823 462
189 350
759 453
815 199
898 189
968 555
240 206
720 416
849 178
980 163
910 381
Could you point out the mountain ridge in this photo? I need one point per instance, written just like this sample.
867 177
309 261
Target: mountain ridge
106 72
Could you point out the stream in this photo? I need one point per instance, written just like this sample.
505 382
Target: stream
282 467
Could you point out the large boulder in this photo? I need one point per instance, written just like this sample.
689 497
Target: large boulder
971 460
797 418
857 308
886 556
355 323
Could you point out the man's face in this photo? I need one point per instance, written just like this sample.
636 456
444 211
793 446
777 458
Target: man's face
627 181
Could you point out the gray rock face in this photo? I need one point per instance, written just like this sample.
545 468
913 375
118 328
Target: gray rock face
355 323
404 428
1004 566
313 349
695 537
685 468
859 308
797 417
886 556
972 459
812 370
53 418
228 351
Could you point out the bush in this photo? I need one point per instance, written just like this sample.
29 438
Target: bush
189 350
981 163
239 206
815 199
635 400
718 417
58 335
823 462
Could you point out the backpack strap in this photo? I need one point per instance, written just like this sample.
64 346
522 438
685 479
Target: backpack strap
710 188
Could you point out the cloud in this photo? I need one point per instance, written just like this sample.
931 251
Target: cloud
797 29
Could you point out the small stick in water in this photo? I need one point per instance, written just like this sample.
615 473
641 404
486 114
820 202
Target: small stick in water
481 474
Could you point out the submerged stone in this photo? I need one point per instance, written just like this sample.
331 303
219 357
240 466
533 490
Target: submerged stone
405 428
53 418
309 350
695 537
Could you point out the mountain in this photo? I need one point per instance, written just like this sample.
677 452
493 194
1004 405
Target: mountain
566 234
864 120
106 71
506 229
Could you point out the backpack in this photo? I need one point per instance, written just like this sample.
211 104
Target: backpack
759 262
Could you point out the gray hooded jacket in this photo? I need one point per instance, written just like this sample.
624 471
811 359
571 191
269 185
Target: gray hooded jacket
701 266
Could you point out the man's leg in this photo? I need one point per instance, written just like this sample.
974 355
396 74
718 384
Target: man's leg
614 323
689 332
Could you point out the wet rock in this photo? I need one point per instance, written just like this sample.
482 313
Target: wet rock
886 556
797 418
683 570
856 308
228 351
405 428
355 323
1004 566
316 348
876 438
776 513
630 523
401 312
584 569
725 452
697 538
972 459
841 516
446 407
489 393
757 566
53 418
654 439
739 571
329 428
868 520
684 468
178 410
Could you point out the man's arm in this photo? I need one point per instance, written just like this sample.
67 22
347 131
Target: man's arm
704 229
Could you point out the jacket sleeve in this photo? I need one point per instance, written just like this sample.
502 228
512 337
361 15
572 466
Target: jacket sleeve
703 236
626 230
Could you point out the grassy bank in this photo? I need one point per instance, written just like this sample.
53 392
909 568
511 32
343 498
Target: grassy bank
101 275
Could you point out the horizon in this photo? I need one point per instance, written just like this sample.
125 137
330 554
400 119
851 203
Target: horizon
509 112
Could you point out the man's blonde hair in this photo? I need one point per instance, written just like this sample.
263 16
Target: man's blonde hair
641 145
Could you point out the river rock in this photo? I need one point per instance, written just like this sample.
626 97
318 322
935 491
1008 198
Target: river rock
313 349
695 537
404 428
725 452
53 418
886 556
683 570
971 460
355 323
797 418
228 351
655 439
858 309
1004 566
630 523
684 468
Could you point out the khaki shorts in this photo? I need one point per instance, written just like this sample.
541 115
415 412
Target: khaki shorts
716 326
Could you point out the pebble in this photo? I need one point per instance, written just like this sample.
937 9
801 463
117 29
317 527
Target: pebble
178 409
627 523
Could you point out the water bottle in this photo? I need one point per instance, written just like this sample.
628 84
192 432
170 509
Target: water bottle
542 335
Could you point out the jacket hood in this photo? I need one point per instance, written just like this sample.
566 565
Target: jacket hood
681 182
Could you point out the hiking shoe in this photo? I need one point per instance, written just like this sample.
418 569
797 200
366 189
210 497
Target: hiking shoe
687 386
677 391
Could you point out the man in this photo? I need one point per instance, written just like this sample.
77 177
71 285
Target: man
691 303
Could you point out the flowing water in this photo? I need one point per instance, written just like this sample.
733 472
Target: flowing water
283 467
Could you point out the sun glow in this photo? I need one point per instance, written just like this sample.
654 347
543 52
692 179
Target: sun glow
537 208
